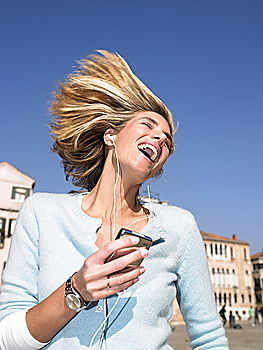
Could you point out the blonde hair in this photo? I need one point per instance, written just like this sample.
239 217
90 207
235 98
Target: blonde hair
103 93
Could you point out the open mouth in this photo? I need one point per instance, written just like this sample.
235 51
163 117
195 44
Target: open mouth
149 151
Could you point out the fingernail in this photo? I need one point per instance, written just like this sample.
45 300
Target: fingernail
142 270
144 252
135 240
136 280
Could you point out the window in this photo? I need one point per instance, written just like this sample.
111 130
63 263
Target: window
231 253
245 254
216 249
247 279
225 250
249 299
234 279
2 224
243 298
211 249
225 298
257 283
215 298
235 298
213 271
20 194
229 298
220 298
11 227
2 232
221 249
259 298
257 266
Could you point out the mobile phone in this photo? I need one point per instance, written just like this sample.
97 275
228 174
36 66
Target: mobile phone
145 241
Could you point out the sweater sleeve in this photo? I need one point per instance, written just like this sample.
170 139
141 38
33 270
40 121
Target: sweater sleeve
19 282
196 297
14 334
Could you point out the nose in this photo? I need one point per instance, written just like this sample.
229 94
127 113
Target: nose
161 137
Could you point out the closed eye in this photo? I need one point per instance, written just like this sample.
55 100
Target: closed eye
147 124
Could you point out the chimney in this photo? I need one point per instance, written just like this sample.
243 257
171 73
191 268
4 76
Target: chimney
234 237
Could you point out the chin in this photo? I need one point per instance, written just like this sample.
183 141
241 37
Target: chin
140 171
143 175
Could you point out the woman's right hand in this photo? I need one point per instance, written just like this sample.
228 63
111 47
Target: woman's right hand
98 279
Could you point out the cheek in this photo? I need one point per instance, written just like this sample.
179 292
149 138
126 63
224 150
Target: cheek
165 156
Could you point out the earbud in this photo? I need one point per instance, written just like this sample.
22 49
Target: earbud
111 138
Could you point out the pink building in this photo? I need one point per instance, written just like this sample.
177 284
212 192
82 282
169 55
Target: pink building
231 273
15 187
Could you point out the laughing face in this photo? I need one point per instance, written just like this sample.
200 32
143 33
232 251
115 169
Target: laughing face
143 145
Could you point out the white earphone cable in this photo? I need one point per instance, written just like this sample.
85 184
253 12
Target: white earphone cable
150 200
113 233
105 320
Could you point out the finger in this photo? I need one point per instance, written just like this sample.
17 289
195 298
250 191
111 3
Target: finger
116 279
121 252
109 268
126 269
110 291
122 262
120 279
103 253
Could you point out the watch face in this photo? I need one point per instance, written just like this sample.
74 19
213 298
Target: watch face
73 302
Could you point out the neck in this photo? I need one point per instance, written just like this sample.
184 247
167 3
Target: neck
100 201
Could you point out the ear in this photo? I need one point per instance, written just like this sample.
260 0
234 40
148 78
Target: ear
109 137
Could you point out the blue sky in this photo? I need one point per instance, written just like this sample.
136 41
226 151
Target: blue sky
203 58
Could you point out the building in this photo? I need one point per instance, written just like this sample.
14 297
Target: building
231 275
257 261
15 187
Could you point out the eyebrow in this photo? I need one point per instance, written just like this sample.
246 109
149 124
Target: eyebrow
167 134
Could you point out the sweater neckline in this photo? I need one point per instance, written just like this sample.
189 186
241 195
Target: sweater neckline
153 224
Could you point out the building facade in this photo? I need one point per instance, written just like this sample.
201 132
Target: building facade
15 187
257 261
231 273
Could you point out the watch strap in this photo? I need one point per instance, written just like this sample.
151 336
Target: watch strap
69 289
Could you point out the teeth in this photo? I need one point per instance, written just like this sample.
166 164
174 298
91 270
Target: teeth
147 145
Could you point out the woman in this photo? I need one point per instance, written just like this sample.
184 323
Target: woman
68 283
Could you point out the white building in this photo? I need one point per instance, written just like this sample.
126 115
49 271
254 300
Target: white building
15 187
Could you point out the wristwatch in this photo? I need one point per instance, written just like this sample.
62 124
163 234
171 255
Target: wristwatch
73 299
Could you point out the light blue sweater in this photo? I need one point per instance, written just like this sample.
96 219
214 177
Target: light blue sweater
52 238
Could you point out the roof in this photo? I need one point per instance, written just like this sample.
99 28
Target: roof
214 237
9 173
257 255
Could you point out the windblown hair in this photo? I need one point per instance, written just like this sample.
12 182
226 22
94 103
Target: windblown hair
103 93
